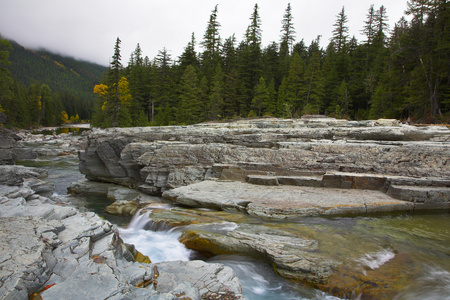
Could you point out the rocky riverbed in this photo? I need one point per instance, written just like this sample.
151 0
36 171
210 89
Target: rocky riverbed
267 181
275 169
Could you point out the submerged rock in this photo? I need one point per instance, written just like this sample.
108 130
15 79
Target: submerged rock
292 256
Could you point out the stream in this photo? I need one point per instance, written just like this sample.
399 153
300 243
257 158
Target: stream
418 243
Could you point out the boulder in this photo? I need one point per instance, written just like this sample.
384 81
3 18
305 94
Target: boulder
207 278
293 256
15 175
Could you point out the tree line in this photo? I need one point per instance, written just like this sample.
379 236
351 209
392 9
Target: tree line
400 73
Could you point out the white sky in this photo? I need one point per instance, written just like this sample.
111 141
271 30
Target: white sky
87 29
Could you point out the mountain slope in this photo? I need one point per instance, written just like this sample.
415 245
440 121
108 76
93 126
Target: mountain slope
61 74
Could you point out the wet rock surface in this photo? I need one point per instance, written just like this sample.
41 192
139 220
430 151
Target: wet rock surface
51 250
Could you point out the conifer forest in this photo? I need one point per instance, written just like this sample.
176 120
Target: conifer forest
401 72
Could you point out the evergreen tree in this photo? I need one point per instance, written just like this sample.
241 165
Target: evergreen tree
189 108
287 32
113 105
429 71
217 94
370 27
211 39
270 63
231 94
34 103
6 81
48 113
162 87
250 61
314 81
261 97
294 88
189 56
340 31
229 54
211 43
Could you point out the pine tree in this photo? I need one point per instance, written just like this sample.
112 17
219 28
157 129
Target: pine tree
370 28
162 86
113 106
211 39
229 54
340 31
189 108
34 103
314 81
287 32
261 97
250 61
6 95
217 94
211 44
294 88
189 56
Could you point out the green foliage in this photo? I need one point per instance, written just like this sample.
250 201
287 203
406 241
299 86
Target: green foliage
189 106
400 73
261 98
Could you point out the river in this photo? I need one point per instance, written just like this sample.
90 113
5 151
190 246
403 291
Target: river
417 246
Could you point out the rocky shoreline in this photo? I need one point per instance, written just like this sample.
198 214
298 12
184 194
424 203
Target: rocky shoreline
51 250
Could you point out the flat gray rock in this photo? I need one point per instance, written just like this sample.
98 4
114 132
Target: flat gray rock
283 202
208 278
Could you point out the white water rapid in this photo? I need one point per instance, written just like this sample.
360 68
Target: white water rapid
157 245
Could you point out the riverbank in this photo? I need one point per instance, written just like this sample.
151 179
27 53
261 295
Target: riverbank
51 250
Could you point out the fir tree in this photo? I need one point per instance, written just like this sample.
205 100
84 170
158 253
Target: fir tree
287 32
189 108
340 31
261 97
217 94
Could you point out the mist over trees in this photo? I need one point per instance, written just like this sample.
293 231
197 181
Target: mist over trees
40 88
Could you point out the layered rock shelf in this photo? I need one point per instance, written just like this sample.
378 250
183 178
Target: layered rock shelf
372 166
50 250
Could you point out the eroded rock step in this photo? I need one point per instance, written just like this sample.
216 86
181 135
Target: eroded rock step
430 193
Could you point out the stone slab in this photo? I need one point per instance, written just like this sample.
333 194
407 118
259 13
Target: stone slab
283 202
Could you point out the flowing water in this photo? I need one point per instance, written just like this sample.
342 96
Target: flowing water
410 250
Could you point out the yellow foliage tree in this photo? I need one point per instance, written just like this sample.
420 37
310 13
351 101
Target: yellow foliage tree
64 117
75 119
101 90
124 92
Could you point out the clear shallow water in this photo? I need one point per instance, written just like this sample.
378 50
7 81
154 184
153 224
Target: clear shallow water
417 244
62 170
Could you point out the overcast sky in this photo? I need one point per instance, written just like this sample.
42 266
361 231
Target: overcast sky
87 29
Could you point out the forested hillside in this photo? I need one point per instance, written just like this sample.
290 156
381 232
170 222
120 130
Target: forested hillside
61 74
401 72
43 88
